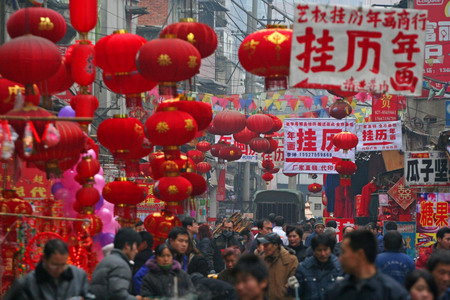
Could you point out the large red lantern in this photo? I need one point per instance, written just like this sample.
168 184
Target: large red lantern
203 167
29 59
229 122
203 146
200 111
60 82
215 149
157 159
314 188
260 123
199 185
196 155
277 124
230 153
83 14
267 53
345 140
259 145
200 35
345 168
8 92
127 83
159 225
93 227
29 111
340 109
83 63
88 167
245 136
273 145
87 196
267 177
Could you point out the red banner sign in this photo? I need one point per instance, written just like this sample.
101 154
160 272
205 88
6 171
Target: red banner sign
384 108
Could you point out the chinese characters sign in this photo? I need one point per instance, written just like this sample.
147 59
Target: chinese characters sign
374 50
379 136
402 195
424 169
309 147
384 108
150 204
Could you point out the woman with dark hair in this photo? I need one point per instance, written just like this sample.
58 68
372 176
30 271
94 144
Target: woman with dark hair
421 285
205 245
295 235
165 277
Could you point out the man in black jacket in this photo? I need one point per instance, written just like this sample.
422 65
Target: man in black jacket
145 250
226 239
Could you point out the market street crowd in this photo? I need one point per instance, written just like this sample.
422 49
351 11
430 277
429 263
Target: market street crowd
276 262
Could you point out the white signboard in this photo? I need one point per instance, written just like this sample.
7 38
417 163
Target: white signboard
309 147
366 49
379 136
426 169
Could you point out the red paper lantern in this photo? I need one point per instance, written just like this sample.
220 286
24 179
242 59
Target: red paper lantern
203 167
273 145
157 159
340 109
200 111
267 164
83 14
198 183
84 106
229 122
122 191
212 130
274 170
29 59
260 123
345 168
259 145
345 140
230 153
245 136
92 228
341 93
289 174
159 225
83 63
314 188
128 83
87 196
60 82
196 155
117 52
200 35
88 167
172 189
267 53
137 152
215 149
8 92
29 111
171 128
203 146
277 124
168 60
267 177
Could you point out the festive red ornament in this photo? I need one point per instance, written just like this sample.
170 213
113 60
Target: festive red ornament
157 159
8 92
277 124
128 83
121 191
83 63
274 170
137 152
345 140
84 106
196 155
59 82
93 227
200 111
267 177
198 183
230 153
29 59
203 167
267 164
289 174
83 14
159 225
88 167
341 93
345 168
273 145
229 122
29 111
87 196
314 188
172 187
259 145
203 146
260 123
245 136
168 60
200 35
212 130
340 109
215 149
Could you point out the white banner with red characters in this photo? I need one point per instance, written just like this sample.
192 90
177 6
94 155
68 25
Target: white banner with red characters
369 49
308 145
379 136
247 153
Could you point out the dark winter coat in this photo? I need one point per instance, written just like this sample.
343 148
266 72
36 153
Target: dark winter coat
379 286
212 289
141 258
206 248
160 283
112 278
225 275
220 243
315 277
395 264
300 251
40 285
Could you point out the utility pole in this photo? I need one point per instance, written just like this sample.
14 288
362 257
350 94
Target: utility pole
2 22
269 12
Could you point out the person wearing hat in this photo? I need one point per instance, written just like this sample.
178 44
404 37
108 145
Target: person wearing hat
319 228
281 264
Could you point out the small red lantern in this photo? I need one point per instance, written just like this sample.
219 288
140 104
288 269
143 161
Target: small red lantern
60 82
277 124
88 167
83 63
274 170
314 188
200 111
267 164
196 155
341 93
87 196
230 153
83 14
203 146
267 177
159 225
203 167
260 123
84 106
229 122
245 136
215 149
172 188
345 168
340 109
259 145
345 140
127 83
290 174
198 183
273 145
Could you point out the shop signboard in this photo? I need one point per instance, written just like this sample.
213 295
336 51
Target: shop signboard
379 136
426 169
384 108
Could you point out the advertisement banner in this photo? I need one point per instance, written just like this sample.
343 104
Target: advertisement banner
247 153
426 169
360 49
379 136
341 224
408 232
384 108
309 147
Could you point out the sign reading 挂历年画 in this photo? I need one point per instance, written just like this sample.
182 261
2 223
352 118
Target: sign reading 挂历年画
379 136
426 169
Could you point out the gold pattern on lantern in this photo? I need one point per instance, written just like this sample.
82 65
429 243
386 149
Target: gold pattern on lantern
14 90
138 129
172 189
189 124
164 60
106 190
46 24
251 47
192 63
191 38
232 152
162 127
276 38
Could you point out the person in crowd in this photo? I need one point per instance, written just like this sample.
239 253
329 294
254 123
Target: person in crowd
251 278
313 222
318 229
376 230
265 226
226 239
246 237
112 276
272 217
331 223
443 243
439 266
317 273
163 272
337 248
332 232
281 263
178 242
359 250
139 226
52 279
392 262
208 288
294 235
192 227
145 250
278 229
230 256
307 231
421 285
205 245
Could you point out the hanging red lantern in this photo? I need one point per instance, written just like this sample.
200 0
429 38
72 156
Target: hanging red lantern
59 82
345 140
274 170
340 109
245 136
198 183
159 225
128 83
200 111
84 106
290 174
267 177
314 188
156 160
267 53
29 59
196 155
277 124
38 21
168 60
87 196
200 35
203 146
137 152
267 164
83 14
8 92
341 93
29 111
345 168
215 149
260 123
93 227
259 145
229 122
88 167
212 130
203 167
117 52
273 145
230 153
120 134
83 63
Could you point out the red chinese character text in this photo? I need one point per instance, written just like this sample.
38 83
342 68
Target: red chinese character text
365 43
426 214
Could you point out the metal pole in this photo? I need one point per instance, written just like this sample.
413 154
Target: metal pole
292 183
269 12
2 22
246 184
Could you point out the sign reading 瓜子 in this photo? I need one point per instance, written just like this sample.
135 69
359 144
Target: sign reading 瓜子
426 169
